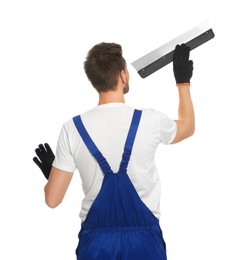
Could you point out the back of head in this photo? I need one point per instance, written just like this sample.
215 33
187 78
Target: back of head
103 64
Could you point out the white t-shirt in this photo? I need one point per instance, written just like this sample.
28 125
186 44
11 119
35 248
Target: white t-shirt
108 127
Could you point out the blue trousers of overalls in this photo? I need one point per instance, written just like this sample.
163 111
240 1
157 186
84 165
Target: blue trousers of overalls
118 226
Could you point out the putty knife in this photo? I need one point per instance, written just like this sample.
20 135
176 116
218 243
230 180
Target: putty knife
163 55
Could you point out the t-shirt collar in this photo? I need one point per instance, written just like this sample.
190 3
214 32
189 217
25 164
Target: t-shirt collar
111 104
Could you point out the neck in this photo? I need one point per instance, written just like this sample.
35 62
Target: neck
111 97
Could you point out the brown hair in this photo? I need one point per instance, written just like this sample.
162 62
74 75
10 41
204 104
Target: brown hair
103 64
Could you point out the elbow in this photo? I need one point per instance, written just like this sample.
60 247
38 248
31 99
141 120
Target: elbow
189 128
52 200
192 131
184 131
52 203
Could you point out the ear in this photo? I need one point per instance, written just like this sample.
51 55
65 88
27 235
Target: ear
123 76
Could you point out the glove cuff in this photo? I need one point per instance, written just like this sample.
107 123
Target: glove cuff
187 84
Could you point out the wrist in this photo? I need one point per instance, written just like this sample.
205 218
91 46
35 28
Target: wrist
185 84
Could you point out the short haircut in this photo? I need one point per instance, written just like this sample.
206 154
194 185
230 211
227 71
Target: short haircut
103 64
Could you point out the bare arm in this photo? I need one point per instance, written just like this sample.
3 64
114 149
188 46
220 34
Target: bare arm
183 68
186 118
57 186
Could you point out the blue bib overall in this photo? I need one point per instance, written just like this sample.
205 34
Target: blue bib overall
118 225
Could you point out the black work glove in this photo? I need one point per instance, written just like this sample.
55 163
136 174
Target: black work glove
182 66
46 158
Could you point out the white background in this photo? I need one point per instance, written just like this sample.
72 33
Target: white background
42 84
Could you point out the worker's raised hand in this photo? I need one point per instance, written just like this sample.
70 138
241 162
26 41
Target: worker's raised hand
45 159
182 66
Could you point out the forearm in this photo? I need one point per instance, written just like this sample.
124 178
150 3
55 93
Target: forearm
185 109
186 116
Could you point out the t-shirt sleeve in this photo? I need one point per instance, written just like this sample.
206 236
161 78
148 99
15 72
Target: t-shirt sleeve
64 159
168 129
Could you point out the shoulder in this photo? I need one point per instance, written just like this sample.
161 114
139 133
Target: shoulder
161 123
152 114
69 127
68 124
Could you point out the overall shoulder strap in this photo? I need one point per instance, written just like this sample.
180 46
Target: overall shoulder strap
130 140
91 145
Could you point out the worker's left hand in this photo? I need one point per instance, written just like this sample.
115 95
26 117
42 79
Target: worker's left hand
45 159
